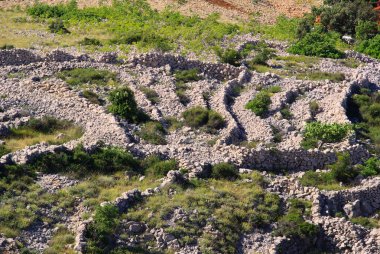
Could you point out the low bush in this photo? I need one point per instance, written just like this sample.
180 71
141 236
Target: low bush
316 44
92 76
224 171
366 222
161 168
263 54
370 167
185 76
260 104
90 42
328 133
286 113
45 124
100 231
58 27
370 47
314 109
153 132
123 104
198 117
229 56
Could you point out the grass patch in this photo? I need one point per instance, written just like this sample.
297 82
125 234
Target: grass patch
59 242
150 94
334 77
92 97
199 117
234 207
90 76
369 223
36 131
153 132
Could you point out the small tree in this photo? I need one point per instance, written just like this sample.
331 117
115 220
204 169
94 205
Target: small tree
366 30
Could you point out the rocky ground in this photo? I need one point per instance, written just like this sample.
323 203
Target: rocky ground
29 87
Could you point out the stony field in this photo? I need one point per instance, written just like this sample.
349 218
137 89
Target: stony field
145 150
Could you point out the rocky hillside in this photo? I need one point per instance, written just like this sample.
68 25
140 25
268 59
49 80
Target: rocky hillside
234 141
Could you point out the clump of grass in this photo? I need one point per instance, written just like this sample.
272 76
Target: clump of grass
6 46
183 77
150 94
61 239
173 123
153 132
91 76
199 117
334 77
92 97
36 131
58 27
224 171
366 222
260 104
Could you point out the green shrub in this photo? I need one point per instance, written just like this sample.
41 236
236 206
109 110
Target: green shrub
263 54
316 44
329 133
100 231
153 132
224 171
58 27
370 167
286 113
123 104
260 104
342 170
314 109
366 222
90 41
366 30
370 47
198 117
161 168
229 56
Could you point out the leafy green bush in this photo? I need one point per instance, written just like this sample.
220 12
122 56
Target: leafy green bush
314 109
224 171
81 76
370 47
316 44
185 76
260 104
370 167
123 104
329 133
58 27
198 117
100 231
263 54
229 56
286 113
153 132
366 30
342 170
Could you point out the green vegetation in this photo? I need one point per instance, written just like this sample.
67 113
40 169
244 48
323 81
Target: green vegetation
234 207
6 46
229 56
61 239
35 131
90 41
58 27
293 224
224 171
316 44
91 76
260 104
366 222
318 75
92 97
366 106
285 29
370 47
286 113
136 23
150 94
158 168
327 133
153 132
182 77
123 104
199 117
101 229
